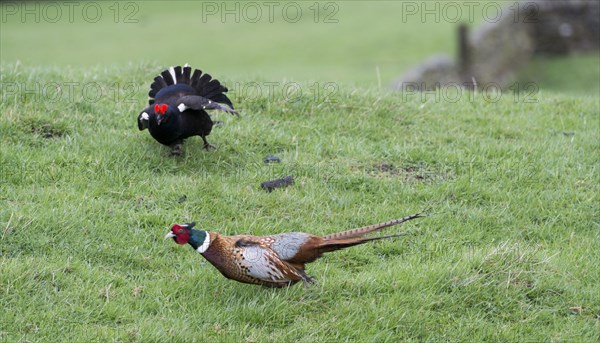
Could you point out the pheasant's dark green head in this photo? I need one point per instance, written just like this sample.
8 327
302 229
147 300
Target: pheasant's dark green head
185 233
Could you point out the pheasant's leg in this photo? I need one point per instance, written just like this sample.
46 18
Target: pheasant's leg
307 279
176 148
207 145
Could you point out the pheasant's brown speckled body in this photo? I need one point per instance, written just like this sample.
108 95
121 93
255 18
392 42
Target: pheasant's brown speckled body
272 261
257 260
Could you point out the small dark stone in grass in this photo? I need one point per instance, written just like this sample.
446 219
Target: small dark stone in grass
272 159
269 186
47 131
182 199
386 167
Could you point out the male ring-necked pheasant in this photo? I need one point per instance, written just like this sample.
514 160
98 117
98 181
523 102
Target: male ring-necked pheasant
272 261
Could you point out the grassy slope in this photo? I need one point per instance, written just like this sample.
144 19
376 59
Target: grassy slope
576 74
511 254
371 44
365 37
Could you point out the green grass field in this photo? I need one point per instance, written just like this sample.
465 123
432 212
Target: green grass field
509 254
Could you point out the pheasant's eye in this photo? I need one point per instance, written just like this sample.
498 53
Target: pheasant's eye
180 231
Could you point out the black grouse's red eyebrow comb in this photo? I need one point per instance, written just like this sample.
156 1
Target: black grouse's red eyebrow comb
160 109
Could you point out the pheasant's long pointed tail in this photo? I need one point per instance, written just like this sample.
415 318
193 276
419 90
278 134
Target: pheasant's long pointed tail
359 232
337 244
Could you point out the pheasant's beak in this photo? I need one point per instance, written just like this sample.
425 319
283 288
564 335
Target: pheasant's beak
169 235
159 119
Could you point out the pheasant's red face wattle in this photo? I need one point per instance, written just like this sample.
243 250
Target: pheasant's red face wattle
182 234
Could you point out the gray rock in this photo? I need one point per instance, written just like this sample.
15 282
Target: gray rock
496 51
437 71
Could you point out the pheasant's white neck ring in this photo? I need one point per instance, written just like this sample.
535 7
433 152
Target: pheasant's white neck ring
201 249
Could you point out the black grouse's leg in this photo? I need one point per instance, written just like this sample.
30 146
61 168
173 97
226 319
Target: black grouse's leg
176 148
207 145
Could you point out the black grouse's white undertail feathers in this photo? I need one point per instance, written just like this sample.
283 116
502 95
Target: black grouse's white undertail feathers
178 100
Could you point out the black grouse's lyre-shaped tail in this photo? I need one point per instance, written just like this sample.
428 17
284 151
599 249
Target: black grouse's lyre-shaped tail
204 84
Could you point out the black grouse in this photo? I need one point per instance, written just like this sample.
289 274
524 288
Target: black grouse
177 102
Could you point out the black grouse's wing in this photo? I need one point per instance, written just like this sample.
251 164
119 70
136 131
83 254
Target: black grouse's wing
197 102
172 94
